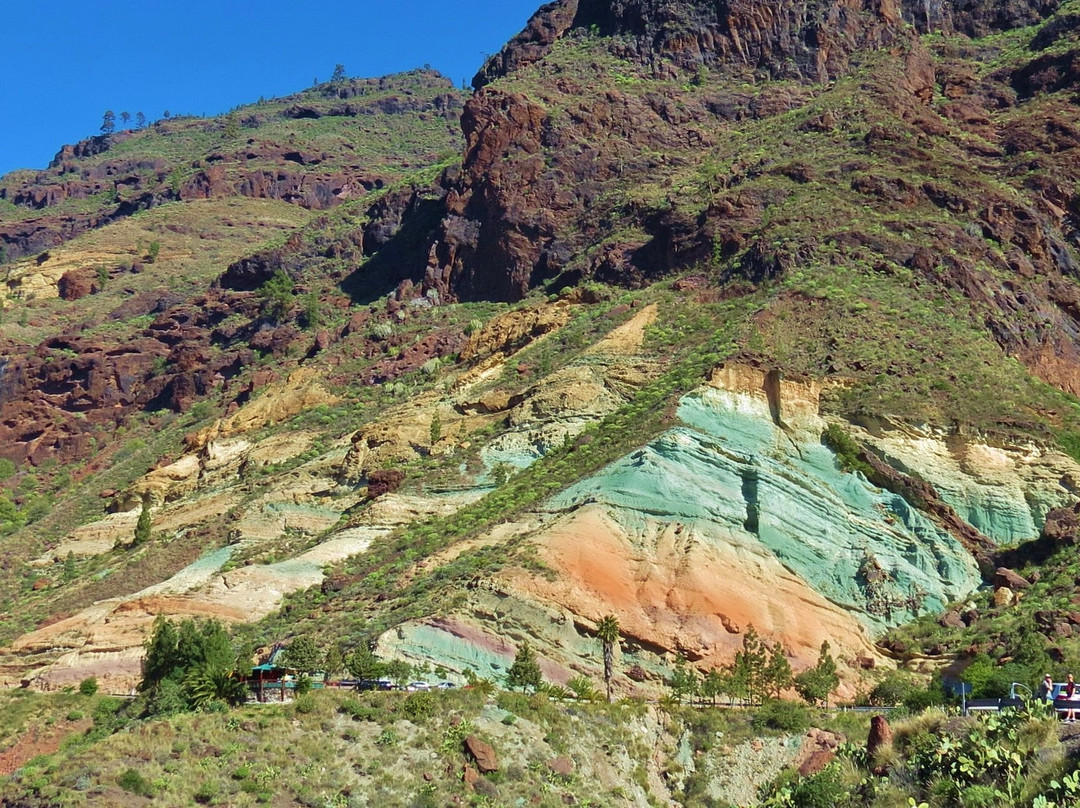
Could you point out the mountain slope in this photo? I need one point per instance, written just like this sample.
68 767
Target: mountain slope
761 314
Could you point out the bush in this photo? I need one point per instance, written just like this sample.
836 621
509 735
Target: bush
418 706
134 782
305 703
88 686
786 716
892 690
360 712
823 790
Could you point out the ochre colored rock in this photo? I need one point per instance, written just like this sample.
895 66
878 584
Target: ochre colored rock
817 761
1003 596
561 765
483 753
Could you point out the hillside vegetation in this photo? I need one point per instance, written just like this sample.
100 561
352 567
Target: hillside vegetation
717 323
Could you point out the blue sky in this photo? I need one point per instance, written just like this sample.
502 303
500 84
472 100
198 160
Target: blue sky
63 63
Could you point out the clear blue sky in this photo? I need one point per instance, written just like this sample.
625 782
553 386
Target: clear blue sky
63 63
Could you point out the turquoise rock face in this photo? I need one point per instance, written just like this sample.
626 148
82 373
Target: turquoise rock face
736 477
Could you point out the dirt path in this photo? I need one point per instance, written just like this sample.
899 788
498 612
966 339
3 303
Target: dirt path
36 742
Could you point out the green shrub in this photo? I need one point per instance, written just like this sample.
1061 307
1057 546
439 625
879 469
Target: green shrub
825 789
305 703
7 469
360 712
134 782
88 686
786 716
892 690
419 706
207 793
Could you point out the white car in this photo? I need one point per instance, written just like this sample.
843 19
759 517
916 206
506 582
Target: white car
412 687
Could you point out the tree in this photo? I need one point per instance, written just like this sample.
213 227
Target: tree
303 655
161 659
166 114
108 122
125 116
140 120
363 664
398 670
817 683
334 663
205 684
277 295
607 631
713 685
525 672
338 75
777 671
750 665
142 527
193 662
70 568
684 681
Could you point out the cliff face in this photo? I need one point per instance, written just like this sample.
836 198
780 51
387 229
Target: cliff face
650 165
807 40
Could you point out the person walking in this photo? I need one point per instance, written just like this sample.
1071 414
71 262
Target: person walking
1070 689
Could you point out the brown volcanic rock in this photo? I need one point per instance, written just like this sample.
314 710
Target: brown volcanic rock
771 35
483 753
491 241
77 283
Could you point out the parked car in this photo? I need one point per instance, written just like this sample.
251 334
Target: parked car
445 685
414 686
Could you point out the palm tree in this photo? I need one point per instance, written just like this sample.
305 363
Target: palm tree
607 631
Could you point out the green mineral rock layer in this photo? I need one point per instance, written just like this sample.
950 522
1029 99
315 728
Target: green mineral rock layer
736 477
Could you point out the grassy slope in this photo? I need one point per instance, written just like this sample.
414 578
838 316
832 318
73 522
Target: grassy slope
392 749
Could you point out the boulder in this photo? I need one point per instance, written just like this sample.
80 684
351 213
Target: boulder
951 619
561 765
1003 596
880 736
1006 577
817 761
483 753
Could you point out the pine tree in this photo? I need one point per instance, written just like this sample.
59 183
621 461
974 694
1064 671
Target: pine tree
108 122
778 670
338 75
525 672
334 662
363 664
818 682
140 120
70 569
713 685
125 116
754 659
607 631
142 527
303 654
684 681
